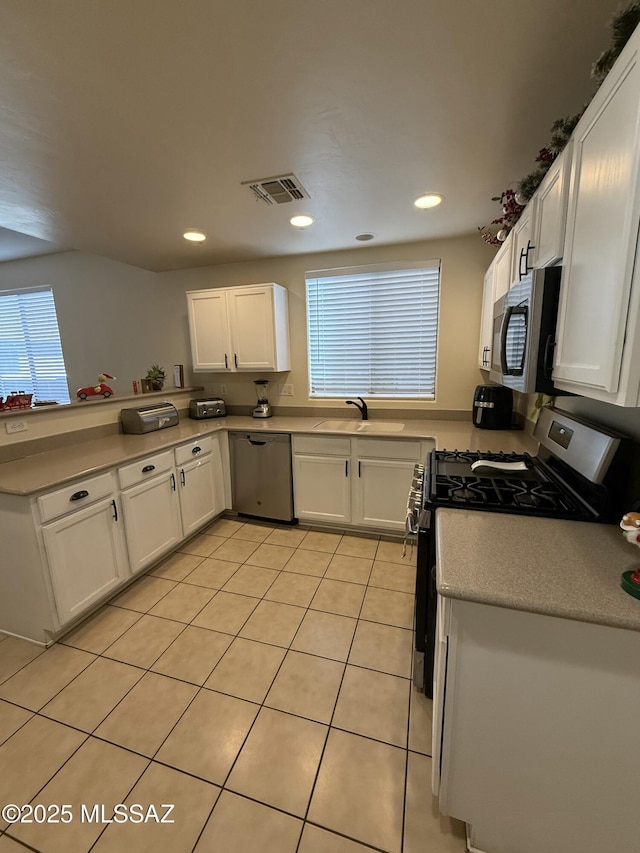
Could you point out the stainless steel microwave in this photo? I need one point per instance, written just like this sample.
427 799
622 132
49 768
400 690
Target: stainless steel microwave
524 330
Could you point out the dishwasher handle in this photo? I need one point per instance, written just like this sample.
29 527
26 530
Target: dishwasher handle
257 443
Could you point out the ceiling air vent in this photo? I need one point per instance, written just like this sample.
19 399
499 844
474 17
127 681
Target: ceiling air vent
277 190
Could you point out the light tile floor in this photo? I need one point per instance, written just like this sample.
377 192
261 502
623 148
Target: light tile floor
259 680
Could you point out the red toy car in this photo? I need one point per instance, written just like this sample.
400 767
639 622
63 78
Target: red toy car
99 390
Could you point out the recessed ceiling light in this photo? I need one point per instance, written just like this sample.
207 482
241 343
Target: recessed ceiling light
366 236
301 221
428 200
194 236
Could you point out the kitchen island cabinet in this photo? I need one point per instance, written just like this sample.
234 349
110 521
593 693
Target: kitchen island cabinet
537 681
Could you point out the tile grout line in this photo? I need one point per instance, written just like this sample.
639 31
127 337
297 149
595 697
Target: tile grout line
200 687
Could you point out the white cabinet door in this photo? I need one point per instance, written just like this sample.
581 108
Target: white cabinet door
523 249
486 321
321 488
502 268
381 489
551 212
209 330
152 519
86 556
523 695
251 315
197 494
597 333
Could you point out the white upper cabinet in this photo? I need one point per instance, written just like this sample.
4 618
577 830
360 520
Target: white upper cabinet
598 340
486 321
239 328
522 253
550 217
502 268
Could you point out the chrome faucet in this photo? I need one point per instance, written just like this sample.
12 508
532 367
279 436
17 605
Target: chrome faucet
363 408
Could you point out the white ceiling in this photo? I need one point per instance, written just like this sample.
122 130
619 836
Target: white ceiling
124 123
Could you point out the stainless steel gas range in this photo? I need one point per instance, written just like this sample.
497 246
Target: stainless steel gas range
578 474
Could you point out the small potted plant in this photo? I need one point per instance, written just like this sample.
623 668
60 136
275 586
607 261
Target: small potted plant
156 376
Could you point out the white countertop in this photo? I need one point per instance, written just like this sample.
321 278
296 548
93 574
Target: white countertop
569 569
44 471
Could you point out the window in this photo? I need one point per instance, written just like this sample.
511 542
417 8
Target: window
31 357
372 331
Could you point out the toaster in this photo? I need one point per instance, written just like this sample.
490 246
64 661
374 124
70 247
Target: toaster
142 419
207 407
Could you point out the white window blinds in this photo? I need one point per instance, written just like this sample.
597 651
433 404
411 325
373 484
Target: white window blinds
31 357
373 331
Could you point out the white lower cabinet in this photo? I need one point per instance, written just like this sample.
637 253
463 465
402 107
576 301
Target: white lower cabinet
199 470
150 508
85 551
358 481
532 744
62 553
168 496
321 478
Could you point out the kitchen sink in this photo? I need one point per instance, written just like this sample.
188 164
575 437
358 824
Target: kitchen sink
361 426
380 426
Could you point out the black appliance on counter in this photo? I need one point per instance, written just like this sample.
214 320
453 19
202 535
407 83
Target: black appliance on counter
578 474
492 407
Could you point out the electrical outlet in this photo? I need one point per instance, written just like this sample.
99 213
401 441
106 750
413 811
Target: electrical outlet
223 389
286 390
15 426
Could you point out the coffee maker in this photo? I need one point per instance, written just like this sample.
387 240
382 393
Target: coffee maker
492 407
263 409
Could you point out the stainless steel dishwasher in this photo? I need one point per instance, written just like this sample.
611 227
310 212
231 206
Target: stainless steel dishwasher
261 482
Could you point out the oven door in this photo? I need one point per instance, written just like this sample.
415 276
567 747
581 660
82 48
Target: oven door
426 602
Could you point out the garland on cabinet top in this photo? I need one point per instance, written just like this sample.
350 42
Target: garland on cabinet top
513 202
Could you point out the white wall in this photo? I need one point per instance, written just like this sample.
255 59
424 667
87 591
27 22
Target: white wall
113 317
120 319
464 261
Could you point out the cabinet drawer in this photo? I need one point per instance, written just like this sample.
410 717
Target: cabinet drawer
381 448
73 497
324 445
141 470
186 452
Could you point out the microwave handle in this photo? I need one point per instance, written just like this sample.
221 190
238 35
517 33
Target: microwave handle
547 361
512 309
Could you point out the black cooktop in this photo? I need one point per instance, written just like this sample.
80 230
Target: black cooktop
450 482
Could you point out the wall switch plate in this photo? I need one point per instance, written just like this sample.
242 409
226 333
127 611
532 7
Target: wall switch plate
286 390
223 389
15 426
